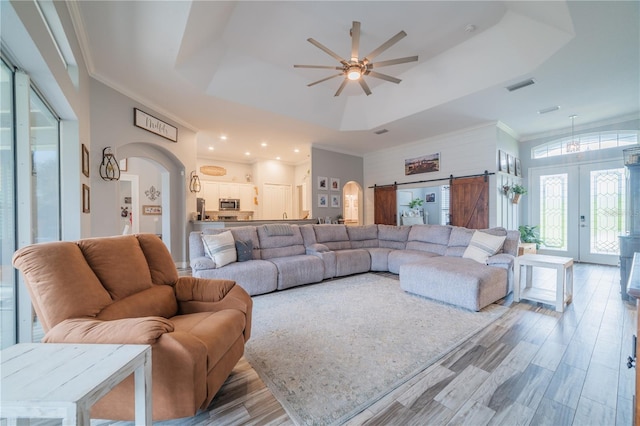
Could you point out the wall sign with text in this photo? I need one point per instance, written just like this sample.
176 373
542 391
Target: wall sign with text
151 124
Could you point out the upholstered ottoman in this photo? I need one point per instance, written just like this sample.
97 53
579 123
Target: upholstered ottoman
455 280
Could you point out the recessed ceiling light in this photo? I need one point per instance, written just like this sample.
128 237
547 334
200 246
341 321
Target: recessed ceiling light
210 148
263 144
296 150
277 158
521 84
247 153
223 137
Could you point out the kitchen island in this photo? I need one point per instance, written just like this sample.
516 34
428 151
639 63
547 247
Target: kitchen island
200 225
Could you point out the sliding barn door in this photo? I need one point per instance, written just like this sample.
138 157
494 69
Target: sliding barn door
469 202
385 205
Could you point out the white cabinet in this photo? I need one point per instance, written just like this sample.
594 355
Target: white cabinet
210 193
229 190
246 197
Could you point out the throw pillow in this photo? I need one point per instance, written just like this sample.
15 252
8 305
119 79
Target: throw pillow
220 248
245 250
482 246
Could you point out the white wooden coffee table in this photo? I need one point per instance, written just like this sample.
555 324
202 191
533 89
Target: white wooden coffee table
563 292
48 380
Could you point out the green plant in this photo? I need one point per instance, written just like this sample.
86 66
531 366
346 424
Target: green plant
518 189
416 202
530 234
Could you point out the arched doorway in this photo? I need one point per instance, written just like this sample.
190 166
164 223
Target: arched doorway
352 210
171 200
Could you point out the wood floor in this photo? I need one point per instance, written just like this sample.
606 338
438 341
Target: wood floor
532 366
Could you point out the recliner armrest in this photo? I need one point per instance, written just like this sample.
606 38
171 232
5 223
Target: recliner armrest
135 331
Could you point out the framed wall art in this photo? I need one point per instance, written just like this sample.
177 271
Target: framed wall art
154 125
512 164
335 184
322 200
425 164
151 210
502 162
86 199
518 168
85 160
335 200
323 183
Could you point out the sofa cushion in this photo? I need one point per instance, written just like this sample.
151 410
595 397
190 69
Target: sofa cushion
240 233
280 245
394 237
255 276
333 236
298 270
365 236
397 258
157 301
278 229
220 248
244 250
430 238
483 245
105 257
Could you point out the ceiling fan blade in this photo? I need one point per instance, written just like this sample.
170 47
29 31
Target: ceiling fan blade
383 76
355 40
384 46
324 79
344 83
324 67
326 50
393 62
364 86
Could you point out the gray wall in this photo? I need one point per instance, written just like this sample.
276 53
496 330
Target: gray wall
331 164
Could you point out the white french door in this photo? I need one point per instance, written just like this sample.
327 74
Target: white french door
580 210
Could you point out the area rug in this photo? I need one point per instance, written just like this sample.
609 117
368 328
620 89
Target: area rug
328 351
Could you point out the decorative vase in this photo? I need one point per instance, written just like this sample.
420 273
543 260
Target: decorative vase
516 198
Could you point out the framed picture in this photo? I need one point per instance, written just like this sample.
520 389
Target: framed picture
430 198
148 210
151 124
335 200
85 160
502 161
322 200
425 164
127 200
86 199
323 183
512 164
518 167
124 165
335 184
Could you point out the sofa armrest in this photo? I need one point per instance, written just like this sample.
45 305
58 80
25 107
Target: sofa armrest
317 248
501 259
135 331
203 262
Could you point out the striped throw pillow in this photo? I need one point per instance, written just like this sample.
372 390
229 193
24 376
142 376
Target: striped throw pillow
221 248
483 245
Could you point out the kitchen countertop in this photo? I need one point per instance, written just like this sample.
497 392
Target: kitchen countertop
198 225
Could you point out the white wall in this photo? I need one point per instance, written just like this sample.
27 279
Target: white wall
236 172
466 152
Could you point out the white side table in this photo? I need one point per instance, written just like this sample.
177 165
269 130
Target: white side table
564 280
49 380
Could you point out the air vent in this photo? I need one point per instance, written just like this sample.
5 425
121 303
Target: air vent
521 84
381 131
550 109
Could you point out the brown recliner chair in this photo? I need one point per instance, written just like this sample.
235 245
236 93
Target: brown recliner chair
126 290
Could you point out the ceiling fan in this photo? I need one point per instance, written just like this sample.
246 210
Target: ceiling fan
355 68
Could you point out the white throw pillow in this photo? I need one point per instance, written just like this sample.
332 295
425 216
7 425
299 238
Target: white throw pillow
483 245
221 248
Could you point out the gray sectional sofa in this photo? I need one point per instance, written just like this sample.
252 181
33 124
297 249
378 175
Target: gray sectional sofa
429 259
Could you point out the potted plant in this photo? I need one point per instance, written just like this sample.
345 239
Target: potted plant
529 234
518 190
416 202
340 219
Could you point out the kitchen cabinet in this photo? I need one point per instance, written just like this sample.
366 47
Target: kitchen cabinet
229 190
211 193
247 193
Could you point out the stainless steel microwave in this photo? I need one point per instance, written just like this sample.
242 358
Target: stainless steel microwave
227 204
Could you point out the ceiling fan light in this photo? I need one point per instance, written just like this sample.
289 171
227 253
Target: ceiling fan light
354 73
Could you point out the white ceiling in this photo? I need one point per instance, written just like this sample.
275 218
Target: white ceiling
226 68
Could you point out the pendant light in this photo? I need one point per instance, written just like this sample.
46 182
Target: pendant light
573 145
